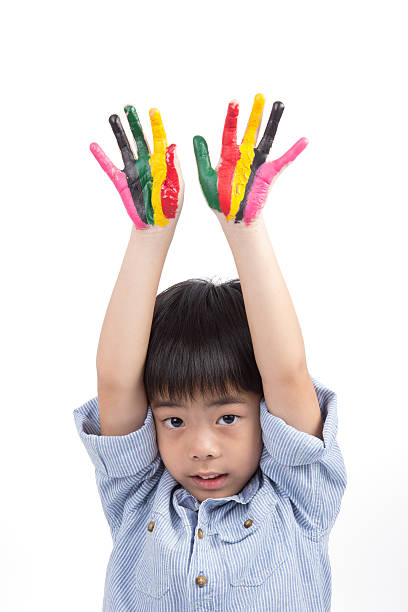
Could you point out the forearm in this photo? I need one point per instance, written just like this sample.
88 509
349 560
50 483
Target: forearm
276 335
126 327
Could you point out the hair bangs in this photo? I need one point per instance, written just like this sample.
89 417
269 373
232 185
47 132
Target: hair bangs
200 343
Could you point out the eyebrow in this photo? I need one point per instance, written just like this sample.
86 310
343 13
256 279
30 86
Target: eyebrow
222 401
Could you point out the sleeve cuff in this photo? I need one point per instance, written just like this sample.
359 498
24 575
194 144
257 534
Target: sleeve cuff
289 446
116 456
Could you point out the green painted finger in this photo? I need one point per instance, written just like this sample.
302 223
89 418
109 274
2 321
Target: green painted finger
135 126
206 174
142 162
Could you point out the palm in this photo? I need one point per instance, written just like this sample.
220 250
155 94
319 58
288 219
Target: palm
238 186
151 184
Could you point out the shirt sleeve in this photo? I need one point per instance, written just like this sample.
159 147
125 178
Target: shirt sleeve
310 471
127 468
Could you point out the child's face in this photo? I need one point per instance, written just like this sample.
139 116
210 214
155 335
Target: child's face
195 437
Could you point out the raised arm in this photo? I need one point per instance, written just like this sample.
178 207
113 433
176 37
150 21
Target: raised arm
275 331
236 191
125 335
151 188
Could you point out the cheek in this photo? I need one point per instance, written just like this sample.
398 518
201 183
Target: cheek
251 433
166 445
256 441
160 439
166 452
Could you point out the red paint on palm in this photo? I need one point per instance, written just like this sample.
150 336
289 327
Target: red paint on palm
170 187
230 154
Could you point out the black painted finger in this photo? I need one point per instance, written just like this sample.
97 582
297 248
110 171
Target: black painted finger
261 153
270 130
123 143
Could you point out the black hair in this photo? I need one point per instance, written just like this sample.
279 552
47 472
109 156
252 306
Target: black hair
200 342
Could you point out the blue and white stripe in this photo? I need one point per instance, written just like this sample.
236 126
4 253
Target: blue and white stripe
264 549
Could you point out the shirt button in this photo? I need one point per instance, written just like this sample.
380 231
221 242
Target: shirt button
248 523
151 525
200 534
201 580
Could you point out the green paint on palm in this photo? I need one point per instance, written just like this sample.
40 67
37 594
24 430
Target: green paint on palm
207 176
142 163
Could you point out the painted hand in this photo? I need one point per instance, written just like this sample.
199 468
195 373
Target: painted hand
239 185
151 186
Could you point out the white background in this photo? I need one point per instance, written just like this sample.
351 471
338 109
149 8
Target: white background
336 217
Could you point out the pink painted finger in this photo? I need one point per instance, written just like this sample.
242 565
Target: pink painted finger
264 177
267 171
290 155
117 176
103 160
119 180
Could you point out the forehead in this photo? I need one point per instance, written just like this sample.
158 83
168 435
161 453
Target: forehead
208 400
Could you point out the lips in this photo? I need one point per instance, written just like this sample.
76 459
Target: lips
210 483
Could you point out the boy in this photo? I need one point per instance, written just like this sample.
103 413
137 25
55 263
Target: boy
209 380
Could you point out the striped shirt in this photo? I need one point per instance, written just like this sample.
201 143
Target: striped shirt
263 549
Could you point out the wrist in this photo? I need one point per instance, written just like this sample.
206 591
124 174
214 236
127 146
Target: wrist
154 235
235 232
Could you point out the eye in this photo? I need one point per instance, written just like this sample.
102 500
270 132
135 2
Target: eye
225 416
172 419
230 416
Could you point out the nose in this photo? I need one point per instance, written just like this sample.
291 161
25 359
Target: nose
203 446
202 456
203 451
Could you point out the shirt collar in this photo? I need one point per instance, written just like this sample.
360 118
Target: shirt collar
186 499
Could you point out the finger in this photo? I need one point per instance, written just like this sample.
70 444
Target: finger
267 172
158 167
105 163
121 138
260 154
270 130
264 177
170 188
180 177
119 179
207 176
117 176
159 135
254 121
230 154
243 168
257 188
229 135
137 131
290 155
201 154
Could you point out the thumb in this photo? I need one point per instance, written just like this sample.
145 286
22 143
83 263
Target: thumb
201 154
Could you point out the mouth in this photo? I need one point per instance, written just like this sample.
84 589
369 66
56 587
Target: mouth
210 483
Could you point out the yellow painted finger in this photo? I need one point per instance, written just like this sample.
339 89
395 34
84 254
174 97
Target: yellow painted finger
254 121
158 165
159 135
243 167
